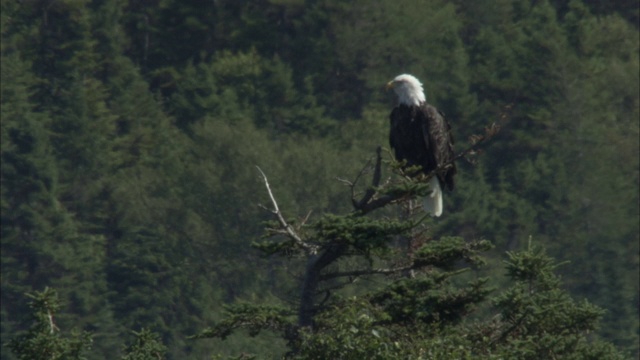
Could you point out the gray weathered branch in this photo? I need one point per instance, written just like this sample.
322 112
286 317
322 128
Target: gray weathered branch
285 225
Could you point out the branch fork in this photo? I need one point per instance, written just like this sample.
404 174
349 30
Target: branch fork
286 227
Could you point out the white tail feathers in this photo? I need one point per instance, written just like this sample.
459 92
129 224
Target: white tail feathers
433 202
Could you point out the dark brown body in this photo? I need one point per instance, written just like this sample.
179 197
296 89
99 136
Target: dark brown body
422 136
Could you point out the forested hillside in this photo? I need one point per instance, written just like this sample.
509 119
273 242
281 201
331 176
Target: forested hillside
131 130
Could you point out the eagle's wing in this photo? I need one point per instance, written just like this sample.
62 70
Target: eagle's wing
439 141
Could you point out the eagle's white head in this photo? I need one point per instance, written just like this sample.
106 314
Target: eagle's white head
408 88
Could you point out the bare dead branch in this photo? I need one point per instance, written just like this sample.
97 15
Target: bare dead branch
345 181
375 181
363 171
52 325
285 225
306 218
266 208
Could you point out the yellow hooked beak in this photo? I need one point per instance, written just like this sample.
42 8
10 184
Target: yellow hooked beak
390 85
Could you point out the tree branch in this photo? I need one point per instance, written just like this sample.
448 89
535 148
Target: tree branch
375 181
52 325
285 225
384 271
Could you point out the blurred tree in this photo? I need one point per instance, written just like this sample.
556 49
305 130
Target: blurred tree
245 85
556 171
377 41
43 243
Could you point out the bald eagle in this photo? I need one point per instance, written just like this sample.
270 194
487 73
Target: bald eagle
421 136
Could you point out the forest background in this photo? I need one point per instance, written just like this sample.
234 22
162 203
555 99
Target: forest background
130 131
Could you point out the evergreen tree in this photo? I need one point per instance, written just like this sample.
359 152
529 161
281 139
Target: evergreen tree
246 85
556 172
418 308
42 241
146 345
44 340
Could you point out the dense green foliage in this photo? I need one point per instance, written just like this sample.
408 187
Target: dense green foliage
130 131
526 328
416 303
44 340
